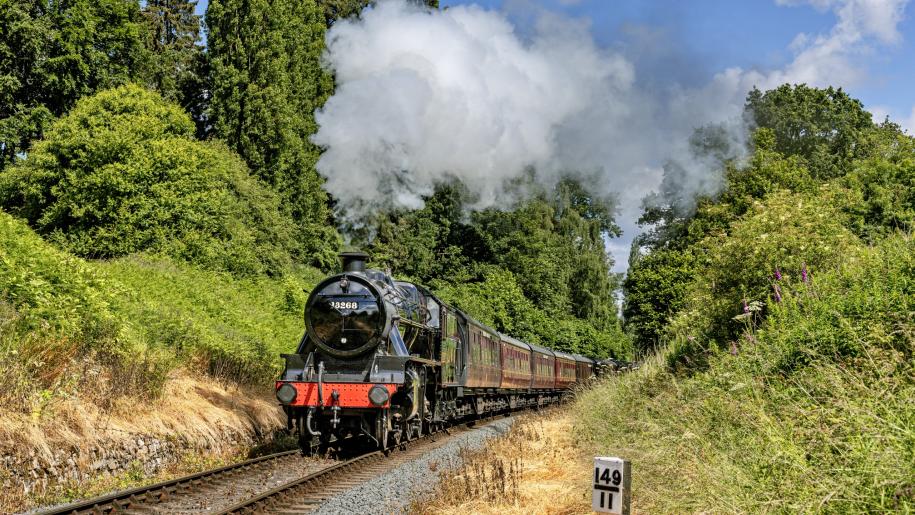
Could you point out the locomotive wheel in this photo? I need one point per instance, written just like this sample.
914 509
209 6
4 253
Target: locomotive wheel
382 429
393 440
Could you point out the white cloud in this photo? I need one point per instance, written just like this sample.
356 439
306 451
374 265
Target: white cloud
825 59
423 97
909 123
879 113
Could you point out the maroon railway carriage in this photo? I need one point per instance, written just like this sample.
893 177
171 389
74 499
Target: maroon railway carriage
543 367
565 370
516 364
584 368
484 362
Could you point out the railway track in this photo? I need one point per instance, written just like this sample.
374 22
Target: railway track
300 495
146 499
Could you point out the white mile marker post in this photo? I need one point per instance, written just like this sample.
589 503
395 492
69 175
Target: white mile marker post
611 485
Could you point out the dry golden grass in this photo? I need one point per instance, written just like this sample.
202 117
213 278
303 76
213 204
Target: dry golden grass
198 410
534 469
194 412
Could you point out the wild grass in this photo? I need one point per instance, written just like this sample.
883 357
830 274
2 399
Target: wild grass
100 330
812 409
534 468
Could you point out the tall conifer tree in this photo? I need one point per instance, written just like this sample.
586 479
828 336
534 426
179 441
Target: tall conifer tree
267 81
177 65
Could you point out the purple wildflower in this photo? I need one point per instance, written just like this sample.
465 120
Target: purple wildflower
778 293
778 274
746 308
733 348
804 276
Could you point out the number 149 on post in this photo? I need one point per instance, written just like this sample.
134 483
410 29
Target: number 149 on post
611 486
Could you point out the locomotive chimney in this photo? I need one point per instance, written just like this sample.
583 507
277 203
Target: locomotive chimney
354 261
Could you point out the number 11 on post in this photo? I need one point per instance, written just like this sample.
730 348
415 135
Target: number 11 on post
610 493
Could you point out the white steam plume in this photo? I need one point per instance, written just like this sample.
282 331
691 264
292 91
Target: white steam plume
425 97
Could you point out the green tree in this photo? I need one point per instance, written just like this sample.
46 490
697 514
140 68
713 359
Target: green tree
656 286
267 81
177 62
122 173
822 126
425 244
52 52
339 9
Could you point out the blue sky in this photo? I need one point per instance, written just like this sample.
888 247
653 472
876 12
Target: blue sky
704 37
709 36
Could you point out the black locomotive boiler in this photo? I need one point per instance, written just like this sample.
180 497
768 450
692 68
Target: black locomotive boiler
386 361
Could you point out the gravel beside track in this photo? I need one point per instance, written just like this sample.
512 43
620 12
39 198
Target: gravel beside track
393 490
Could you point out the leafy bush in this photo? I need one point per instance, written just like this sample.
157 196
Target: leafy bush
122 173
813 411
884 186
782 235
60 330
864 307
53 292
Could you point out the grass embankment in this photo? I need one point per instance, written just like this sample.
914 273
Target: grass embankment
136 345
534 468
812 409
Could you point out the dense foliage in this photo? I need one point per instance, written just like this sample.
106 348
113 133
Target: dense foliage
267 81
806 139
539 271
781 313
52 52
121 173
809 411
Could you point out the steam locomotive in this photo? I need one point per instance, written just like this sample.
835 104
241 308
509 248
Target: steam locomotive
385 361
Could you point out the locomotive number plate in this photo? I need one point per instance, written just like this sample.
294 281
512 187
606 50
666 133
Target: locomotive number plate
344 305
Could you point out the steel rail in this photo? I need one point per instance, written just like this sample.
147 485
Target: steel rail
126 499
270 499
304 494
